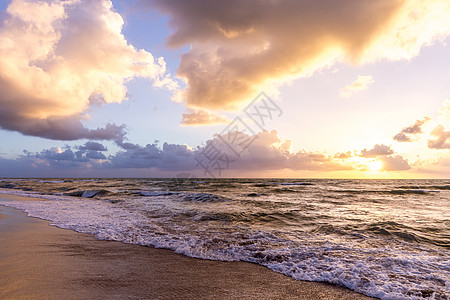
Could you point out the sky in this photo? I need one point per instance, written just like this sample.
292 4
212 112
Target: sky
210 88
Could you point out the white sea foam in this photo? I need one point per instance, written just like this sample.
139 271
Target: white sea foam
51 181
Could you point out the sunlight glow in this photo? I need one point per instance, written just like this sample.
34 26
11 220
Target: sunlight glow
375 165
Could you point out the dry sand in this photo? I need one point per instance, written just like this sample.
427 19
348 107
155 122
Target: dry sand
38 261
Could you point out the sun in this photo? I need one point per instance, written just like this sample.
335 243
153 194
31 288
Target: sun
375 165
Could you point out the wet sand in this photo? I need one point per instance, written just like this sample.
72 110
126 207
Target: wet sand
38 261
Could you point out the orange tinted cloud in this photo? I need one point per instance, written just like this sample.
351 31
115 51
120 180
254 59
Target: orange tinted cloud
237 47
202 117
59 57
442 138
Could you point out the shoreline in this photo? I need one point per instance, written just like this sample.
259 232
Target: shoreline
42 261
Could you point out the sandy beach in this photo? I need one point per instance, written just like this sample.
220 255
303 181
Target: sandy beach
39 261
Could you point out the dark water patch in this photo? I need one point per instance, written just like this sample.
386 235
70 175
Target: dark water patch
284 191
427 187
224 217
92 194
116 201
6 185
324 228
371 200
413 191
224 185
263 185
295 183
391 192
157 193
407 233
259 218
255 194
271 184
65 188
335 200
74 194
441 187
204 197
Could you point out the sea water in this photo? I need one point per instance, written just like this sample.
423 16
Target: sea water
383 238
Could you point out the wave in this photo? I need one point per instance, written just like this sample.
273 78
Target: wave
255 194
283 191
416 187
270 184
392 192
389 271
413 191
158 193
388 230
204 197
387 239
52 181
5 185
89 193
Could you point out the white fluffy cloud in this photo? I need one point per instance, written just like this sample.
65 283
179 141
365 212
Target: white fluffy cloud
361 83
442 138
59 57
445 110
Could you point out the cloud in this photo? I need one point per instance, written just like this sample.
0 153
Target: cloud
68 128
377 150
343 155
442 138
169 157
389 160
266 152
445 110
439 137
358 85
93 146
91 154
366 160
434 166
237 48
202 117
407 133
394 163
59 57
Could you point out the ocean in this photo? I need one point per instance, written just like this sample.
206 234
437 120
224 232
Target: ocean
384 238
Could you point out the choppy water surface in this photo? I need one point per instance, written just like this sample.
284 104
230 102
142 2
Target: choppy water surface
384 238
